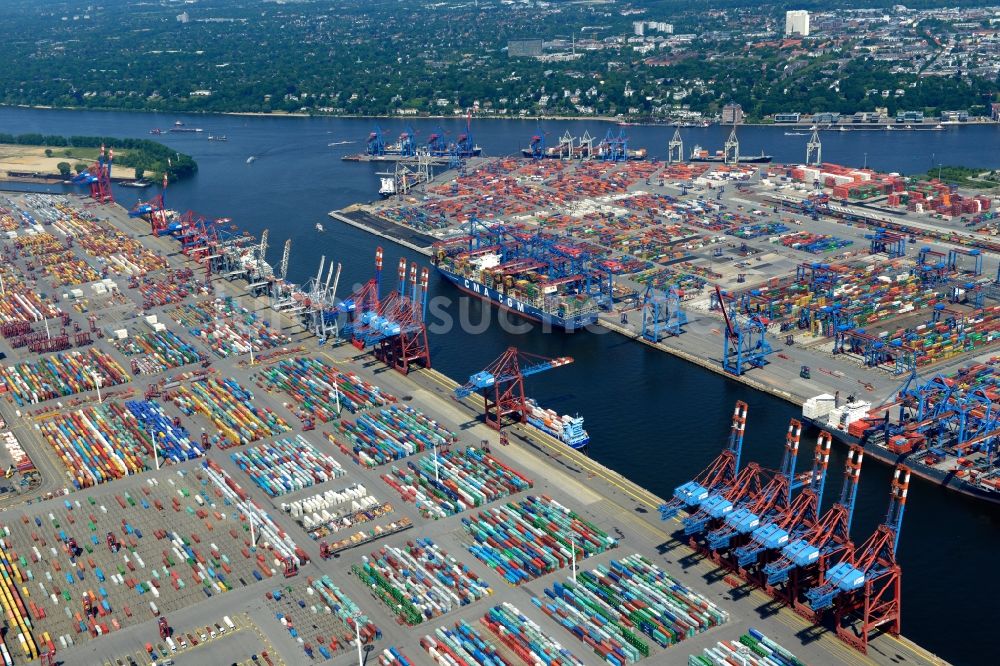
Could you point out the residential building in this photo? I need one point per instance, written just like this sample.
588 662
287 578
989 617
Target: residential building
797 23
524 48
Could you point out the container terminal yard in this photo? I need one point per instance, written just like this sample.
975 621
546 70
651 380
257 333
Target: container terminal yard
868 299
198 449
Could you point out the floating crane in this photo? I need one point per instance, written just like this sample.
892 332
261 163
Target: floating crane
721 472
865 584
154 211
744 339
502 384
798 517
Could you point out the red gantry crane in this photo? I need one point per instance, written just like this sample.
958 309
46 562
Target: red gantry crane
775 497
806 558
800 516
98 177
720 473
863 589
154 211
502 384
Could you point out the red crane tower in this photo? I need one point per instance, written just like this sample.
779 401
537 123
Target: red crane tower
775 497
799 517
502 384
153 211
410 345
98 178
804 561
863 589
720 473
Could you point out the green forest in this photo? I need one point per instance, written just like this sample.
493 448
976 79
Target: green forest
381 57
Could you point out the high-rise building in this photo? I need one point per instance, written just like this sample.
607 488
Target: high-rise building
732 114
797 23
524 48
639 28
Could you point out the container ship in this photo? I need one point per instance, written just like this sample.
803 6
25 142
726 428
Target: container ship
520 286
600 152
854 423
699 154
567 429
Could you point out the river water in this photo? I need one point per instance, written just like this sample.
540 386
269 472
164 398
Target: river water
652 417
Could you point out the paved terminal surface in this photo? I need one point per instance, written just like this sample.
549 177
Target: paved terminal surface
740 264
195 511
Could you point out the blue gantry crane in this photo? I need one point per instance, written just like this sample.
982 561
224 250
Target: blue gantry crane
408 142
536 147
865 584
437 143
887 242
614 148
661 313
745 342
501 384
375 147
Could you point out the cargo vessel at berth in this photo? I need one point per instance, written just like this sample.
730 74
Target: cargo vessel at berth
567 429
957 473
699 154
520 286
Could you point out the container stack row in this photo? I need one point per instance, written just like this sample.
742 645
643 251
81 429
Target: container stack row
99 444
752 649
610 607
226 328
60 375
230 408
344 608
462 644
320 389
393 656
287 465
533 537
162 350
523 635
421 581
467 479
391 433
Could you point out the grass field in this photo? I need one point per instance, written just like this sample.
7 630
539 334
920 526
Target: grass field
33 159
